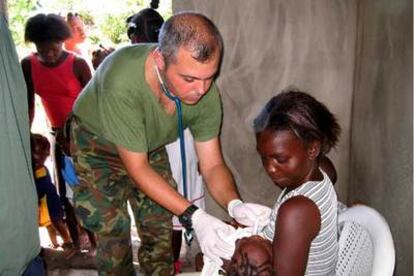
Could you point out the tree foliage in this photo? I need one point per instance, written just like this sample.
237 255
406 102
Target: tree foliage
105 19
19 11
113 27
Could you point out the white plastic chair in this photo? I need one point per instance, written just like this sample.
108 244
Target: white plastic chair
366 246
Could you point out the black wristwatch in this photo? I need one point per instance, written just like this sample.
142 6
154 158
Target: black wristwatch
185 218
187 223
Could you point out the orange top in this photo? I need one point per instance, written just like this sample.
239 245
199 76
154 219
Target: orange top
57 86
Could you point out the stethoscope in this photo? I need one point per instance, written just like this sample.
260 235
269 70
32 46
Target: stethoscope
188 235
177 102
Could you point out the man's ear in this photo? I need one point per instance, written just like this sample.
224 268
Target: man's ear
314 149
159 59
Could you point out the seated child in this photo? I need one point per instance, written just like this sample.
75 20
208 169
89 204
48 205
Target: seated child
45 187
292 133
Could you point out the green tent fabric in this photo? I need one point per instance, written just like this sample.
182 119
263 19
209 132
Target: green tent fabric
19 237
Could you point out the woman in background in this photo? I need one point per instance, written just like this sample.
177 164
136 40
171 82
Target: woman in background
76 42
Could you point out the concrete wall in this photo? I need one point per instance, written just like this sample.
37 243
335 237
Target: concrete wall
355 56
270 45
382 133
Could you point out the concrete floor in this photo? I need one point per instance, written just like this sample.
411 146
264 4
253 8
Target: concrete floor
82 265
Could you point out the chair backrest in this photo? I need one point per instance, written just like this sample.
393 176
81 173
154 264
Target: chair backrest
366 246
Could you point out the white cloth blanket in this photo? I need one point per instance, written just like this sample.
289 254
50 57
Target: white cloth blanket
212 268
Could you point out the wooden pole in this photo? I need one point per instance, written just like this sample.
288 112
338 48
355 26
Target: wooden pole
3 7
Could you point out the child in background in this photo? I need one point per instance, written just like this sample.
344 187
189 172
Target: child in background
45 187
44 221
144 26
293 132
99 55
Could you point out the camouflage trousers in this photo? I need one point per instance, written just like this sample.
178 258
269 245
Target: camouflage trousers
100 202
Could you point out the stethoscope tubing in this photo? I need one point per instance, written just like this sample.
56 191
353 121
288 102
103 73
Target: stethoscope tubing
178 105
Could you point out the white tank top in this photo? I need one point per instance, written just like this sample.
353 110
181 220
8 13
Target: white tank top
323 251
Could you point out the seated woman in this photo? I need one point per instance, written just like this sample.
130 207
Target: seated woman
293 133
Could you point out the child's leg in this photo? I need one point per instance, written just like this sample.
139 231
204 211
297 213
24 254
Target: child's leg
88 241
91 237
176 243
71 220
72 223
52 235
92 241
176 246
61 227
55 209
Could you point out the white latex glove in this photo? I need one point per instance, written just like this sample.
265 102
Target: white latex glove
249 214
207 229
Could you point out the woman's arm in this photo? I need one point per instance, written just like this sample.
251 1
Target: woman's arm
298 222
82 71
27 73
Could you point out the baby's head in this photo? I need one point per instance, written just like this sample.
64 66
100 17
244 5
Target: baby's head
292 131
252 257
40 149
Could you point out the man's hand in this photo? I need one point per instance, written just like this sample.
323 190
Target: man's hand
249 214
207 229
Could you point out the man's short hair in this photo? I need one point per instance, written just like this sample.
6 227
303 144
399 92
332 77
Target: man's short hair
193 31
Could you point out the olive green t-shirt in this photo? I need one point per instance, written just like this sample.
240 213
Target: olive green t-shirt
119 105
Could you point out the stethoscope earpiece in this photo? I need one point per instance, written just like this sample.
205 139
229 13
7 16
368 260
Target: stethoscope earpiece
164 87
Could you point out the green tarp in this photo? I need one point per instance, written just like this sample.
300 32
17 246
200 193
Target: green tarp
19 237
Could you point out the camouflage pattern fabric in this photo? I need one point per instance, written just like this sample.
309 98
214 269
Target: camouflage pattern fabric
100 201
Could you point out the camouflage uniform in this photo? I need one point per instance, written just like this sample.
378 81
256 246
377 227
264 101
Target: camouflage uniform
101 204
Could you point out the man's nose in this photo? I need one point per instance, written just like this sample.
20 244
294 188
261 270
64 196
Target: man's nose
202 87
